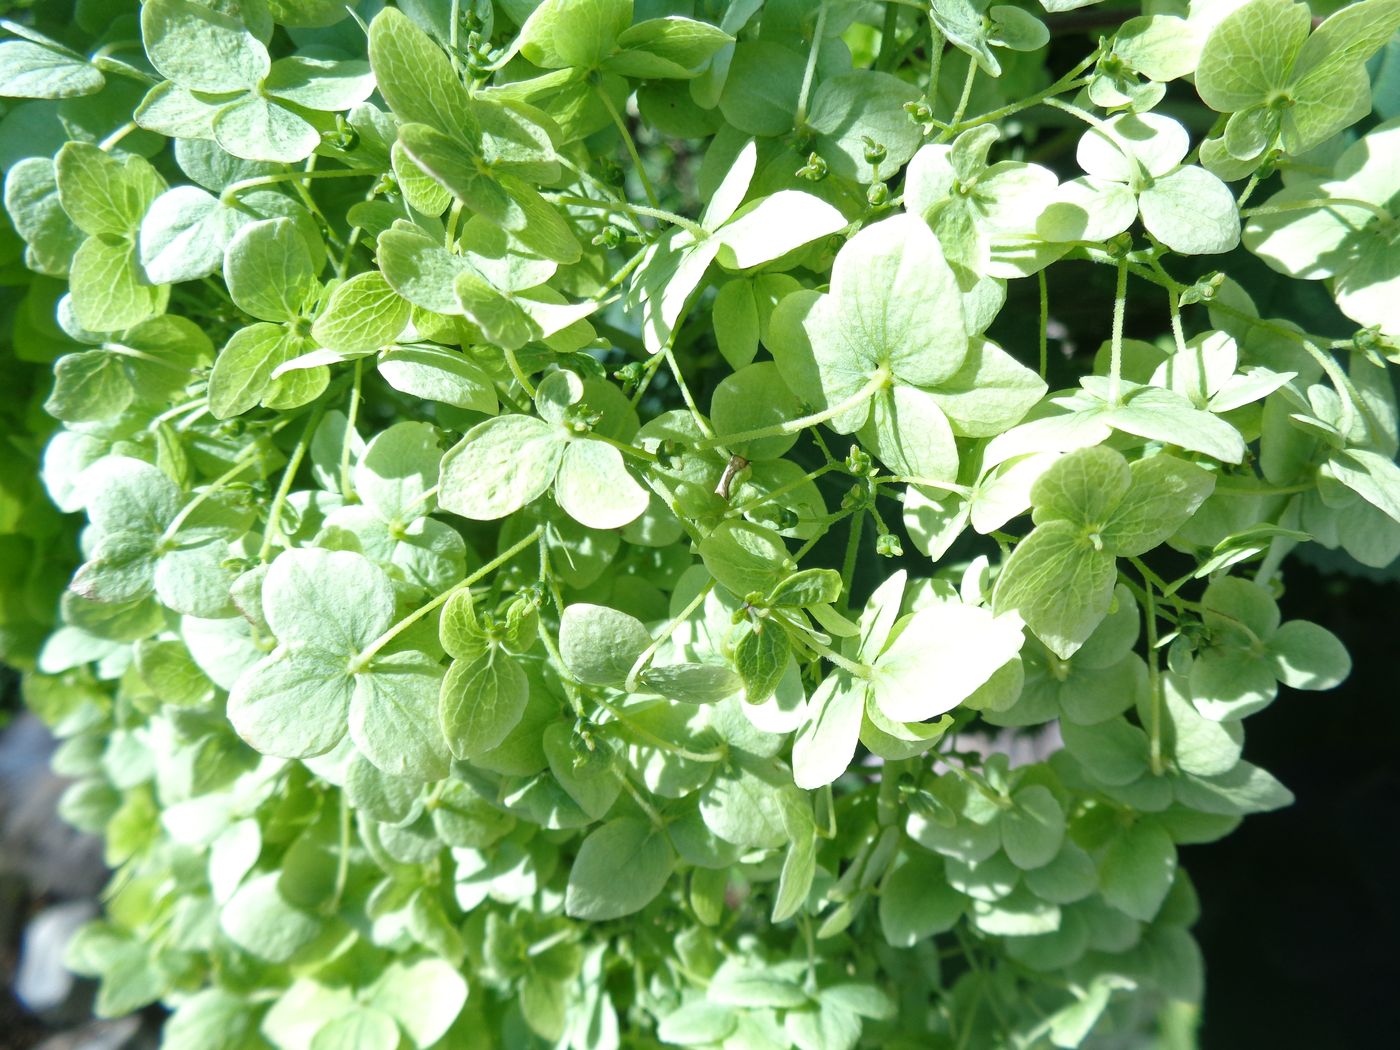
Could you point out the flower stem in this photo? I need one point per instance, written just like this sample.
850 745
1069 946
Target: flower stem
794 426
368 653
1120 301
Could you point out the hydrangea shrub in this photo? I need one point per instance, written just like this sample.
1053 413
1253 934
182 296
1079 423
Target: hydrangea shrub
526 516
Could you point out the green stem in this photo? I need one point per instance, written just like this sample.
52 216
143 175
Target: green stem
888 30
246 460
644 658
234 189
626 208
660 743
1044 325
1154 679
649 371
782 490
1317 203
1068 82
348 439
809 72
795 426
630 144
362 660
955 124
621 275
848 564
1120 301
1265 490
1179 335
1248 191
342 867
519 373
279 498
624 448
115 137
936 44
859 670
642 804
688 398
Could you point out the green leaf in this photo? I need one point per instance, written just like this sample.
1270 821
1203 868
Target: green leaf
109 291
212 1020
255 128
414 75
910 435
269 271
1191 212
1234 72
751 399
261 922
101 194
242 375
1033 828
32 70
32 202
1305 655
336 601
916 901
1083 487
1137 870
1165 493
941 656
826 741
293 703
620 868
745 557
692 683
741 982
394 718
599 645
423 997
362 314
989 394
398 470
585 771
735 317
761 657
1113 752
743 804
359 1028
500 466
670 47
202 48
329 85
894 304
697 1023
436 373
573 33
594 487
847 110
184 234
1060 585
483 698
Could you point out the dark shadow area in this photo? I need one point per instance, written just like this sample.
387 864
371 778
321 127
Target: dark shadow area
1299 917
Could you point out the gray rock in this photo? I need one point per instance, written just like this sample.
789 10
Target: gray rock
34 843
122 1034
42 983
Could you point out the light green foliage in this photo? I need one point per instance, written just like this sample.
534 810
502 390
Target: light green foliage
556 495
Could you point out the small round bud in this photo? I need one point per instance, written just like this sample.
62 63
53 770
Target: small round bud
878 194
